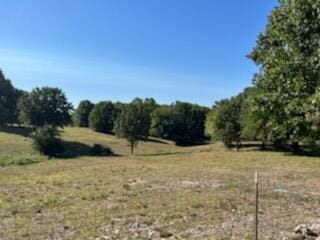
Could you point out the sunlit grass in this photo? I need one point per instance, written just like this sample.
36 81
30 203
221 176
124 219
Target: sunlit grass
202 192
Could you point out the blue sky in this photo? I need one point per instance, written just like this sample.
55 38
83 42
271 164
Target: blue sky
189 50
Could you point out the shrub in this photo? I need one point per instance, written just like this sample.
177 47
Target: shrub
99 150
46 140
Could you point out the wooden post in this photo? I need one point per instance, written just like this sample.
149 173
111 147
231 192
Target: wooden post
257 205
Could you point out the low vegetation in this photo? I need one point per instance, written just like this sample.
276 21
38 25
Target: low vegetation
163 190
46 140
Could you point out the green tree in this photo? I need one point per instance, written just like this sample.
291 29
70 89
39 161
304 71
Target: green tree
118 107
44 106
181 122
227 122
132 123
101 118
253 122
81 115
150 105
287 53
210 130
18 93
189 123
162 122
7 100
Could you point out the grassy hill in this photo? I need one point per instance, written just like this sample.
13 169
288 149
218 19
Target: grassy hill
16 146
164 191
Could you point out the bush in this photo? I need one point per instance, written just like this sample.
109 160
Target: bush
99 150
46 140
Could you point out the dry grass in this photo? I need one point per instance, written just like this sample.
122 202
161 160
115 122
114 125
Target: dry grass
203 192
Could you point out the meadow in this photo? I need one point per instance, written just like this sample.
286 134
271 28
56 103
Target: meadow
161 192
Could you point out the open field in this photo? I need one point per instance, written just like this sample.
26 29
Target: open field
165 191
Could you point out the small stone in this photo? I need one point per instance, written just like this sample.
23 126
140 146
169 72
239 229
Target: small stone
315 227
66 227
297 236
302 228
150 235
308 237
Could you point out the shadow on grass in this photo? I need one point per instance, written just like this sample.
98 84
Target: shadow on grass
22 131
73 149
304 150
160 154
193 144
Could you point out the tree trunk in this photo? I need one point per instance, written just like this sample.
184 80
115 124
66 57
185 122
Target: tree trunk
295 147
132 146
238 144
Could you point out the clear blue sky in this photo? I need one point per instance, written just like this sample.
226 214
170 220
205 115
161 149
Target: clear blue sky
189 50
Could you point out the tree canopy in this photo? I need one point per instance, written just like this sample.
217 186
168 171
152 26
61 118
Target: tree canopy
287 53
101 118
181 122
8 100
81 115
44 106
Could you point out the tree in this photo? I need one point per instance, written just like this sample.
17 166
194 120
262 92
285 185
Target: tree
118 107
189 123
18 93
209 123
81 115
162 122
44 106
253 121
227 127
132 123
7 100
180 122
101 118
287 53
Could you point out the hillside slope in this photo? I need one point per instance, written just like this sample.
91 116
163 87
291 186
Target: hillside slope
16 145
169 192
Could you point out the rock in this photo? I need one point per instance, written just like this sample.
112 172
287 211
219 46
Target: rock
302 228
297 236
308 232
308 237
315 227
150 235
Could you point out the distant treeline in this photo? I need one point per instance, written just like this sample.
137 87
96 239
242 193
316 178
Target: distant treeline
180 122
282 108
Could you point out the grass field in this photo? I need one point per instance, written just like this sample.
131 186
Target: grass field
164 191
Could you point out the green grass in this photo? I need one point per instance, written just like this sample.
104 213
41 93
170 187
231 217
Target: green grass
202 192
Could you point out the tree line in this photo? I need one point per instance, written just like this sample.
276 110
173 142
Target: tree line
180 122
281 109
47 109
